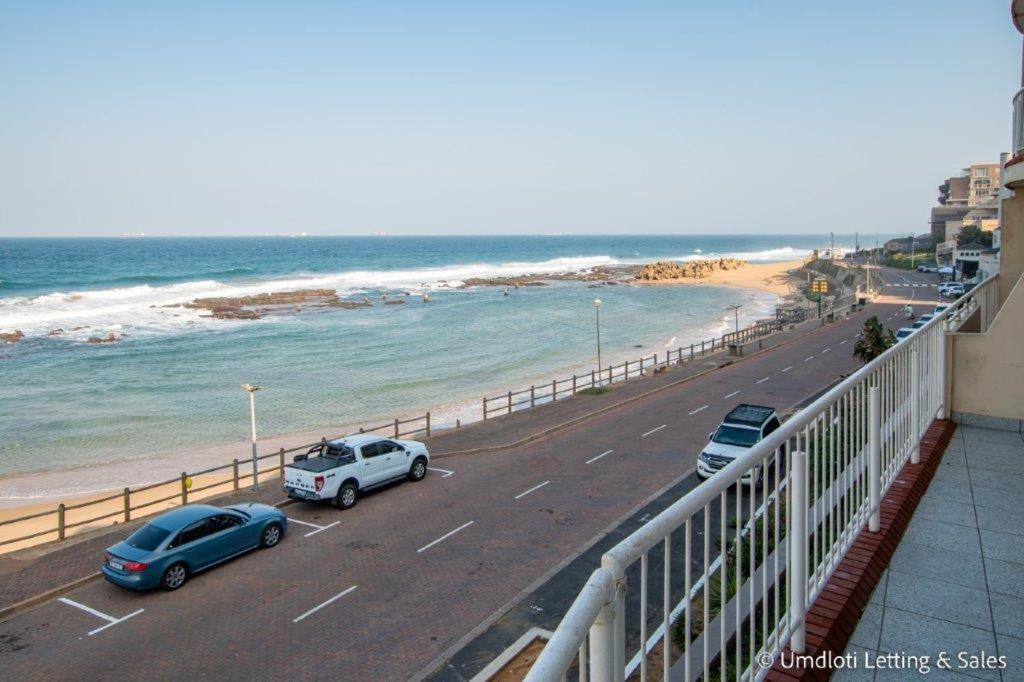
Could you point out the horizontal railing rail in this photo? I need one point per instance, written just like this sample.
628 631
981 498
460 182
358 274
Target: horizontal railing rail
159 495
728 571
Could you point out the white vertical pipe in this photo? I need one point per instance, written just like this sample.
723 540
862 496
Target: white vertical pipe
874 459
797 536
915 408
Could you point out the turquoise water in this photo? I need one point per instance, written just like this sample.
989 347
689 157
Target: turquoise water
170 384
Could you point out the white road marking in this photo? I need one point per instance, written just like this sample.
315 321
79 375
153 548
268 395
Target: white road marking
527 492
827 349
329 601
318 527
787 369
842 342
732 394
594 459
111 620
808 358
444 471
702 407
444 537
762 380
644 435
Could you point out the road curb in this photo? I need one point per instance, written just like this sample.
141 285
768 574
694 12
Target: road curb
627 401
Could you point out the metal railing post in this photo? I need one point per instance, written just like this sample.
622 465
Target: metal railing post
234 473
280 455
915 407
574 384
485 409
396 427
797 535
874 458
60 521
127 505
554 390
184 488
602 645
428 424
510 402
533 396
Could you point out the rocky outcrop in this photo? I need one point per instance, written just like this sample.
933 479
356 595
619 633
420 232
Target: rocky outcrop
695 269
12 337
256 306
109 338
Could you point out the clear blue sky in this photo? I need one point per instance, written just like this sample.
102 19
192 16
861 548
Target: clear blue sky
198 118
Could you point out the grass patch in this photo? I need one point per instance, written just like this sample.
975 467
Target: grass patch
596 390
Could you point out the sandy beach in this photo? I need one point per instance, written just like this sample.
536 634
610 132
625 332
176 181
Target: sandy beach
773 278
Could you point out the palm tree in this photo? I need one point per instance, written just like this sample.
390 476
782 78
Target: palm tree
873 341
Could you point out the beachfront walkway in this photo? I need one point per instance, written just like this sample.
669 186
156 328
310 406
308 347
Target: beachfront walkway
956 581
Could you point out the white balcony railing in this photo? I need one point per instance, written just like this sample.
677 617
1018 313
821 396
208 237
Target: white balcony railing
729 570
1018 122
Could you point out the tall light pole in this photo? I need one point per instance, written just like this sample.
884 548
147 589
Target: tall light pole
912 250
597 325
736 312
251 390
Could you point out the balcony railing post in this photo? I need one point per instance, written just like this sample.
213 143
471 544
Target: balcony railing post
602 645
874 458
915 407
797 535
944 368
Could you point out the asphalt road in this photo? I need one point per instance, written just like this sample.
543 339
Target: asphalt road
413 568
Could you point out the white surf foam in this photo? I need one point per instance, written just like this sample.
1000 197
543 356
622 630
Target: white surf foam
146 309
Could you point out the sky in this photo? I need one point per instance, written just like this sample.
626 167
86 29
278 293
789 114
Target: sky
526 117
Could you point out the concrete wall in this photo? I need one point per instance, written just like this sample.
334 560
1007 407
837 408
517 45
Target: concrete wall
988 369
1011 249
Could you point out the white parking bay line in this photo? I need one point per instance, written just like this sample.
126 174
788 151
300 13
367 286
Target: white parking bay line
527 492
329 601
644 435
825 350
732 394
111 620
594 459
808 358
444 537
318 527
842 342
702 407
762 380
444 471
787 369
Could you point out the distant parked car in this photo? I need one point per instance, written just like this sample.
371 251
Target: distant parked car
171 548
951 289
919 323
927 267
904 332
939 308
341 469
742 429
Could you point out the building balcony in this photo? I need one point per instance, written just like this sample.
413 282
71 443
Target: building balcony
1013 173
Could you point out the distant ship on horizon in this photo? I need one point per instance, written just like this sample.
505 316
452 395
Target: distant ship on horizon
132 234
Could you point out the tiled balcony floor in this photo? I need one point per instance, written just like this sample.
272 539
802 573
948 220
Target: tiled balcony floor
956 582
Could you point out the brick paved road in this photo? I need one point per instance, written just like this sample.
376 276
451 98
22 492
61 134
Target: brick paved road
413 599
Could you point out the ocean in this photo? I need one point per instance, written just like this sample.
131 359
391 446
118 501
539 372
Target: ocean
165 395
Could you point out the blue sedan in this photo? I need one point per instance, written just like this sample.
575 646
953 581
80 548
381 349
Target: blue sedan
169 549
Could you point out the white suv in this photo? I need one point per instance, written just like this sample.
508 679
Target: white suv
744 427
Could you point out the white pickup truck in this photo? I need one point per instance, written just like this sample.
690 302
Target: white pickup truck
339 470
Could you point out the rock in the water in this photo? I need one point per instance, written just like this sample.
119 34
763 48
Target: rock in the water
12 337
109 338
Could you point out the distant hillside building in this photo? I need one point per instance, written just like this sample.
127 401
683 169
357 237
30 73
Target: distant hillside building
967 199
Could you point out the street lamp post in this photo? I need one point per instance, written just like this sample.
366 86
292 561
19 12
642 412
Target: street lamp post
597 326
251 390
912 250
736 312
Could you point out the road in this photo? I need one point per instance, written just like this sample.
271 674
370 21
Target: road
381 590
